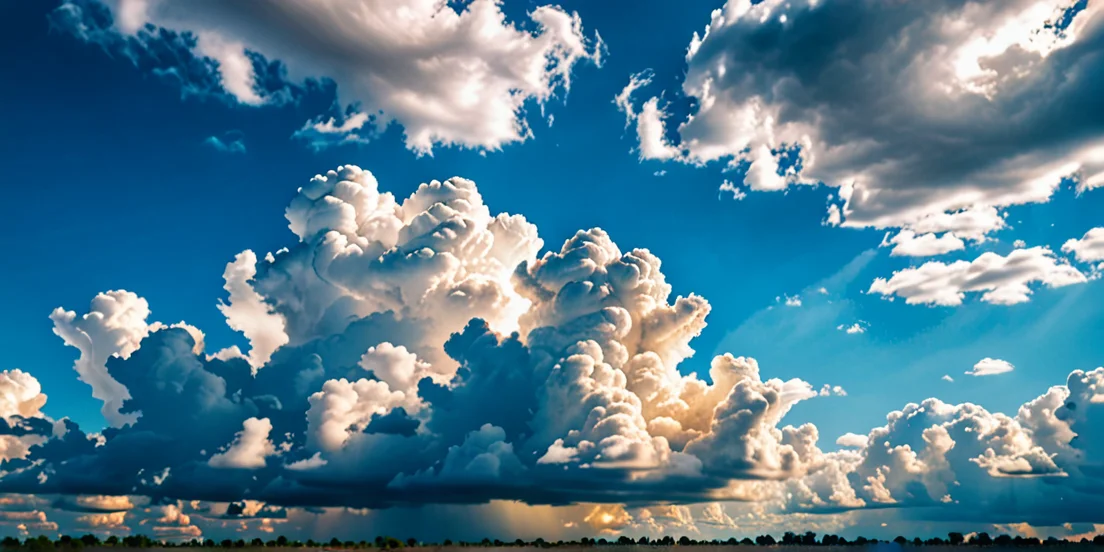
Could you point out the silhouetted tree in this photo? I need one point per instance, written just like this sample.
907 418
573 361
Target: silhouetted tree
900 540
764 540
955 539
808 539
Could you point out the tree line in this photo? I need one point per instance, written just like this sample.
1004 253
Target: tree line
68 543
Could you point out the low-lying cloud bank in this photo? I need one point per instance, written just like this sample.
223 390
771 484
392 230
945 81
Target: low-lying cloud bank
417 350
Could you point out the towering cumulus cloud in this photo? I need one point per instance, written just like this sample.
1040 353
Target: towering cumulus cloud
452 75
421 350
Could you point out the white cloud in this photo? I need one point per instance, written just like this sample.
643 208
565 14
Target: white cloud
114 326
20 395
832 390
852 440
793 301
449 75
1001 280
1088 249
856 328
249 449
959 89
247 312
990 367
907 244
947 378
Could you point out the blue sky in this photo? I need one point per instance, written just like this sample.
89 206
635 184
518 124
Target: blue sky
120 177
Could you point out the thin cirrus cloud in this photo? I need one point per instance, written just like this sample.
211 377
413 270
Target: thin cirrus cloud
402 364
231 142
979 101
453 76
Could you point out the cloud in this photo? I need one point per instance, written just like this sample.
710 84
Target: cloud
1001 280
423 351
961 92
856 328
250 447
1088 249
947 378
248 313
990 367
908 244
114 326
232 142
852 440
728 186
458 76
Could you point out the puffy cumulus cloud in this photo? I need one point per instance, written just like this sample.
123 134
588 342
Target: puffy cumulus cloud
449 75
22 423
114 326
418 349
990 367
432 357
169 522
250 447
102 522
20 395
249 314
1001 280
962 461
957 75
1089 248
908 244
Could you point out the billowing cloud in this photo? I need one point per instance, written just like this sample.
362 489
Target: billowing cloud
959 90
418 350
1001 280
449 75
250 447
114 326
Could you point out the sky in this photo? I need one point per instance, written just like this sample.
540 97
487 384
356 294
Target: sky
517 270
